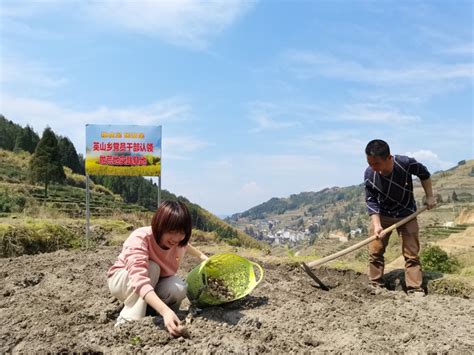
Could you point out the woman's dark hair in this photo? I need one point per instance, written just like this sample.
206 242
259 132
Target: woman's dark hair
172 216
377 148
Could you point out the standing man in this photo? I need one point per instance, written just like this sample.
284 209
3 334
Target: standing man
389 198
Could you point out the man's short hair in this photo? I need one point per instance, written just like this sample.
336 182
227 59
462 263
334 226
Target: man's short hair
377 148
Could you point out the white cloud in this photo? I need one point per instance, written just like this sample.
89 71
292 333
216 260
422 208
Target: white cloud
186 23
444 41
467 48
187 144
14 16
28 73
332 143
372 113
308 65
180 147
25 9
365 112
264 113
264 122
283 165
71 123
427 157
19 28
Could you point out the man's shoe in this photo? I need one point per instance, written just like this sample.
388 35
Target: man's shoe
416 292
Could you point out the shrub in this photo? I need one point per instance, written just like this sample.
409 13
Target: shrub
76 180
102 189
201 237
434 258
11 202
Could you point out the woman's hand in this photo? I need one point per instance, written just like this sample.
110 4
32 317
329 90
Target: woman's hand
172 323
170 318
197 253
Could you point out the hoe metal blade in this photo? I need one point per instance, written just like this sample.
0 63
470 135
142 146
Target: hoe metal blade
314 277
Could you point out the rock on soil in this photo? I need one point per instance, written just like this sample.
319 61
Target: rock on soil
59 302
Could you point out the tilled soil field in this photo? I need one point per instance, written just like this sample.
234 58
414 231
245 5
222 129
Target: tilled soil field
59 302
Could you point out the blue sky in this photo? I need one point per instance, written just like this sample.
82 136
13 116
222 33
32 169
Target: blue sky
257 99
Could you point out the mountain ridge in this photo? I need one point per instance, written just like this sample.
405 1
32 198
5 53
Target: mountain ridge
337 209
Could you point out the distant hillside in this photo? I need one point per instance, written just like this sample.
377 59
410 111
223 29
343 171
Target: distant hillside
340 210
305 216
109 194
457 181
18 197
454 191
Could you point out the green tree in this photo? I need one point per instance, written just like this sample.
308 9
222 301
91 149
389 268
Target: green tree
26 140
45 164
69 155
8 133
134 189
82 162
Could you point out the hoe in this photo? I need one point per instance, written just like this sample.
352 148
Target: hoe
307 267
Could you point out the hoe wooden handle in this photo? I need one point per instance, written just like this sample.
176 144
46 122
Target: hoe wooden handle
365 241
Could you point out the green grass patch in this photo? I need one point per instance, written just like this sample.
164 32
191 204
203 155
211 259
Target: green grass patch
362 255
466 261
467 271
451 286
39 235
135 340
36 238
355 265
113 225
12 174
200 237
112 230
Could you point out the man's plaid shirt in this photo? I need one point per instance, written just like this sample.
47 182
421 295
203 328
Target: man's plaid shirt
392 195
